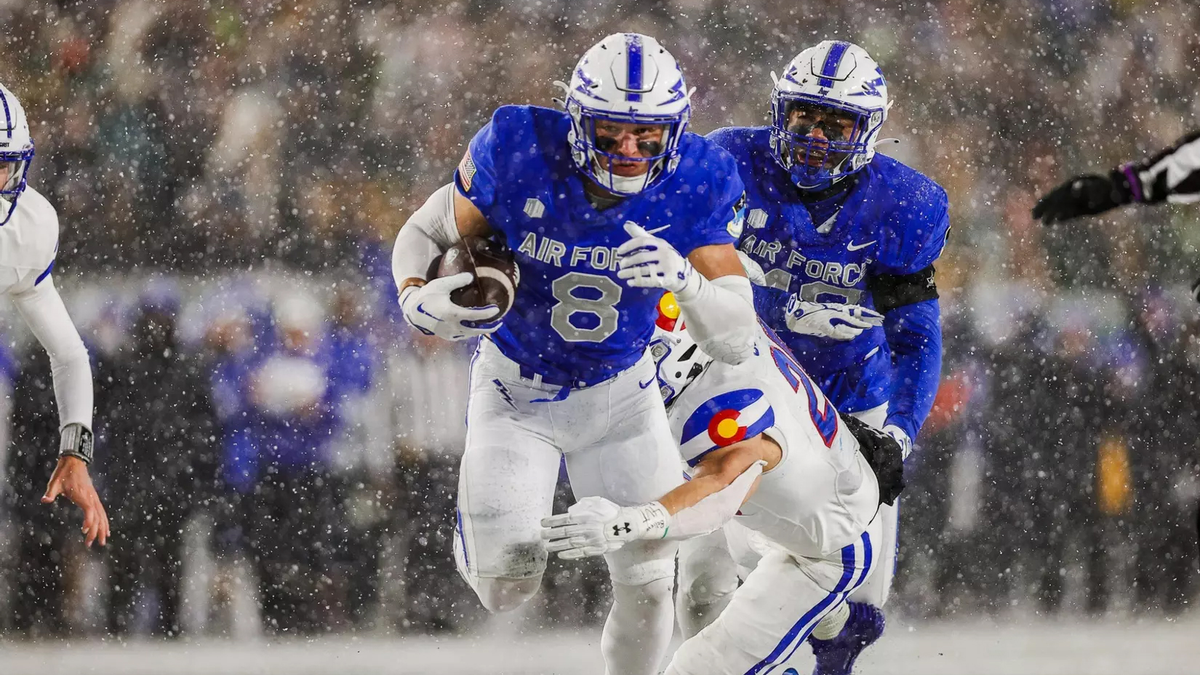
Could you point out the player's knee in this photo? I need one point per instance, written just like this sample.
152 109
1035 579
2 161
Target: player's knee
503 595
705 580
651 593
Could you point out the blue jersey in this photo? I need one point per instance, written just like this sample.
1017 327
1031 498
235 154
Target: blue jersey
573 321
893 221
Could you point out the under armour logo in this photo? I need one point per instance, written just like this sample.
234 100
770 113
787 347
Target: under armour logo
617 529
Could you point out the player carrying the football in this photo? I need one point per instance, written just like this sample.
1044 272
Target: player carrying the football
605 206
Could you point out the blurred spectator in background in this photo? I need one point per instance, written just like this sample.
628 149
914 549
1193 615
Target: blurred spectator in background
428 379
43 539
291 513
361 458
162 451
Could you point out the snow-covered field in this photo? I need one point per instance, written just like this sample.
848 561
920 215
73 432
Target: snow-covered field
957 647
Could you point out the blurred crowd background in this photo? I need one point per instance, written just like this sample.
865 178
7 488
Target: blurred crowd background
278 453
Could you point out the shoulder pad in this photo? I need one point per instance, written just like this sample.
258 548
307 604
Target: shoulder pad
30 238
725 419
918 223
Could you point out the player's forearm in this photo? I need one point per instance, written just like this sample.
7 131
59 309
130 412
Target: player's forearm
43 311
719 314
427 234
914 334
714 502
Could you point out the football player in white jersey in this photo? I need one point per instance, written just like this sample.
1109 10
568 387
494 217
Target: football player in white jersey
28 244
796 488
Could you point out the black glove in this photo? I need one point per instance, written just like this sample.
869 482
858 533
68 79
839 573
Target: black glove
1084 196
884 455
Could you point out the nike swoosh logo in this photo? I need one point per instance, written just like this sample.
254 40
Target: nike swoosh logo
647 383
854 247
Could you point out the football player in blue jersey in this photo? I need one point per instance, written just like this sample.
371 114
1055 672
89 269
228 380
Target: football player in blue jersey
605 206
841 243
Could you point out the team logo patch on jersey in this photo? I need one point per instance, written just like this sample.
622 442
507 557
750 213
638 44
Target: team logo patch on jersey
724 420
736 225
534 208
466 171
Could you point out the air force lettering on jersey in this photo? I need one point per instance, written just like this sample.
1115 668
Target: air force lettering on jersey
524 179
891 222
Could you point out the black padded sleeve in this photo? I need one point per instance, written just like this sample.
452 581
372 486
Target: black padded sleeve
897 290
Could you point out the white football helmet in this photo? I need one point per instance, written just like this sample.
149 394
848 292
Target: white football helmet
16 151
627 78
676 355
835 87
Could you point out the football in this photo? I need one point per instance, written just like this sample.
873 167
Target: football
493 266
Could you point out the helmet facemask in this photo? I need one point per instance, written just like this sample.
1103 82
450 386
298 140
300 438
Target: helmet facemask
14 167
677 358
842 147
596 136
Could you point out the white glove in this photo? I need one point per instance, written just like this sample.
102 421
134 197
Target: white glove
754 271
897 434
595 526
829 319
430 310
647 261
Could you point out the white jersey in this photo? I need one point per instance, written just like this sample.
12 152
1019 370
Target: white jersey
822 495
28 244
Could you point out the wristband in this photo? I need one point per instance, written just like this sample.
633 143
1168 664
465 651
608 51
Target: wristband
76 440
655 520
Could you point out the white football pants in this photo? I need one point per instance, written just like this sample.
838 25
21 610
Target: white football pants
770 615
616 443
709 566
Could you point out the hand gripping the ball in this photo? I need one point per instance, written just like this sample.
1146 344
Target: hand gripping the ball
430 310
647 261
829 319
594 526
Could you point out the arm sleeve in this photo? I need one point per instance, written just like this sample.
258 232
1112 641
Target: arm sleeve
44 312
914 334
1173 175
428 233
712 512
719 314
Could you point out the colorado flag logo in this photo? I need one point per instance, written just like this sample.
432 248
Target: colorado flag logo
724 420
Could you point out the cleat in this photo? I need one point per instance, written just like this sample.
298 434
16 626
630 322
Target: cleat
837 656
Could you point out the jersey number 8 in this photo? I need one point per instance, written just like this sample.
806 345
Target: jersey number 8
565 290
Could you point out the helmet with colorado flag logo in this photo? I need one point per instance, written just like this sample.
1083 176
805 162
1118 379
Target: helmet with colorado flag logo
826 113
629 79
16 152
676 355
734 410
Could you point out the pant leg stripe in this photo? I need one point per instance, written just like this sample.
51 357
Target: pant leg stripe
865 541
804 625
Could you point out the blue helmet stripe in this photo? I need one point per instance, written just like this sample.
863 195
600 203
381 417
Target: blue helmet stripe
633 56
8 120
832 60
